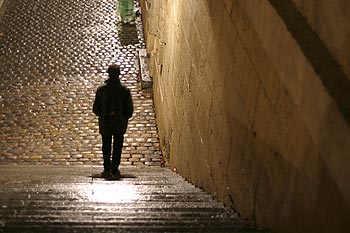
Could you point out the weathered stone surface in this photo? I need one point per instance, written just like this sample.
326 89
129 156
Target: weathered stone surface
144 77
245 112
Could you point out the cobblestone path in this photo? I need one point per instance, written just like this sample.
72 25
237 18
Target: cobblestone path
53 56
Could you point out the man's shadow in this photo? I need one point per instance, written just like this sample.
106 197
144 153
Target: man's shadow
112 178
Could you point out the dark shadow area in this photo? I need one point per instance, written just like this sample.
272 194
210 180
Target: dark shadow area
332 75
304 198
127 33
112 178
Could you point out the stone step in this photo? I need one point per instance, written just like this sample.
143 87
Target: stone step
72 199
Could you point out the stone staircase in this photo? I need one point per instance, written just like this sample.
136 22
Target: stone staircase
77 199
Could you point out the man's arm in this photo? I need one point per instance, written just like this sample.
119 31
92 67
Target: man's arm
97 103
129 105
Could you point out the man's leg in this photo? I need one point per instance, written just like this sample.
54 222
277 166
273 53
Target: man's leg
117 150
106 150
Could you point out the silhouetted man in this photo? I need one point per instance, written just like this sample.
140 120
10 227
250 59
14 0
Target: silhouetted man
113 106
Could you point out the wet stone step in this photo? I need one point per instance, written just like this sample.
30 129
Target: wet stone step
111 229
142 198
52 198
176 216
123 205
54 220
131 223
73 216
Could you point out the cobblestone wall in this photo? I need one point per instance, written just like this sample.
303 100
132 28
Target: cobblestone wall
243 112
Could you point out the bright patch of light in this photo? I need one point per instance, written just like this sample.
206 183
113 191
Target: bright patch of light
112 193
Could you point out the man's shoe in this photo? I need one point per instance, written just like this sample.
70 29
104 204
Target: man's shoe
116 174
106 174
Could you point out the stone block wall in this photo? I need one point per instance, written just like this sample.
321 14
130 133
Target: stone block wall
248 113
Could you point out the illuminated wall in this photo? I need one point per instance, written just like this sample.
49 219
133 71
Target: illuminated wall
247 111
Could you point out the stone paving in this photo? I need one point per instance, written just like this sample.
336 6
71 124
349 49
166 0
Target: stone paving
74 199
53 56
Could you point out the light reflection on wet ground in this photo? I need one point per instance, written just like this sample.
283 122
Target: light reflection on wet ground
110 193
74 199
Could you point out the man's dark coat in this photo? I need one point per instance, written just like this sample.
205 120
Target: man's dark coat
120 124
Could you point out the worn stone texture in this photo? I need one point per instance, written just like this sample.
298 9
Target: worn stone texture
243 114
